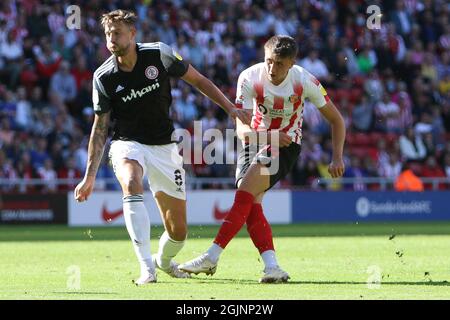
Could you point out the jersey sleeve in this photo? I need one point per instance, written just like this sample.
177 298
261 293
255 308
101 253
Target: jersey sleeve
172 61
244 93
315 92
100 99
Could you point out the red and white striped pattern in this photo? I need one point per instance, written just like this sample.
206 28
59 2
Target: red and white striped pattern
278 107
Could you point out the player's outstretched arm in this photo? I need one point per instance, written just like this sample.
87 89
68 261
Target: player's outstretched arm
333 116
96 147
209 89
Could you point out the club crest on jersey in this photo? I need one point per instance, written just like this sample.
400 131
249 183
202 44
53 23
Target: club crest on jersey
151 72
294 98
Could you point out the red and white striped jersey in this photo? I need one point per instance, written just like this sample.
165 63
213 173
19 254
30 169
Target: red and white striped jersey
278 107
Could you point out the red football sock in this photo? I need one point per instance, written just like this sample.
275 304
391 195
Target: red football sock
236 218
259 229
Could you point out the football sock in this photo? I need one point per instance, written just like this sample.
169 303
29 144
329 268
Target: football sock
235 219
168 248
138 227
269 258
259 229
214 252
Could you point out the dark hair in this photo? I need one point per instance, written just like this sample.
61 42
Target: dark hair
282 46
125 16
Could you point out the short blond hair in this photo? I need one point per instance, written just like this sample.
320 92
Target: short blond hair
119 15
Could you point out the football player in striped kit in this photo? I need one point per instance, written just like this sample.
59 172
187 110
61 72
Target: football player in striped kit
274 92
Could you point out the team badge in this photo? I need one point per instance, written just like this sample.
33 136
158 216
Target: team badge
151 72
294 98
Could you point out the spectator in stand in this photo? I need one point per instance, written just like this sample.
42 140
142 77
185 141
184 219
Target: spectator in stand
447 165
209 121
48 174
387 115
362 115
69 172
63 83
366 60
316 66
412 146
374 87
432 170
47 63
408 181
40 154
402 19
24 118
356 171
6 133
305 175
185 108
81 73
26 171
11 51
392 168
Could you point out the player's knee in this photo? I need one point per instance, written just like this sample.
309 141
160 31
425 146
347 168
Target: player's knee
132 185
177 232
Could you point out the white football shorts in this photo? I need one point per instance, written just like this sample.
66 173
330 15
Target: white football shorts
162 164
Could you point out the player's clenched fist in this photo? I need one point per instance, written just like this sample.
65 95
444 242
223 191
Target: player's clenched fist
336 168
84 189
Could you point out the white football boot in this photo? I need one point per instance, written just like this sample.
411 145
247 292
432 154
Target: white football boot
199 265
173 269
274 275
145 279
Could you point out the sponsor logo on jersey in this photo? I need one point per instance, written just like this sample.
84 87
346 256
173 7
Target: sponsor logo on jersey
274 113
151 72
119 88
139 93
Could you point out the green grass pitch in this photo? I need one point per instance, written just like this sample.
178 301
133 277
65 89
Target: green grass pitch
341 261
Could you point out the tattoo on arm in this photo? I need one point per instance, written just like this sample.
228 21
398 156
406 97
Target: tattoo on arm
97 142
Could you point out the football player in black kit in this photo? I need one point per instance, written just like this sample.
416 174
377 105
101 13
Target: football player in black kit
132 87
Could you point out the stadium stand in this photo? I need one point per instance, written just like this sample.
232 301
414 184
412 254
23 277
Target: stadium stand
391 84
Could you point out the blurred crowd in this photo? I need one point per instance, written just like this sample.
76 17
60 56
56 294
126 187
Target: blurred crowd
392 83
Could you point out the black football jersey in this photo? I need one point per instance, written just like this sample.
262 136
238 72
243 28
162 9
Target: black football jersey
139 100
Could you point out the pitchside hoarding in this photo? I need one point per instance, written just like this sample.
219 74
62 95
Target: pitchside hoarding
33 209
203 207
348 206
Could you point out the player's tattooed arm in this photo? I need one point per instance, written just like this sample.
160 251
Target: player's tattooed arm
97 142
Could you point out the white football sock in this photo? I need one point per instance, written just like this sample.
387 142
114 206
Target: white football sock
168 248
138 226
214 252
269 258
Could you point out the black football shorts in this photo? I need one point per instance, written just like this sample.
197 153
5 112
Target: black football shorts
279 162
